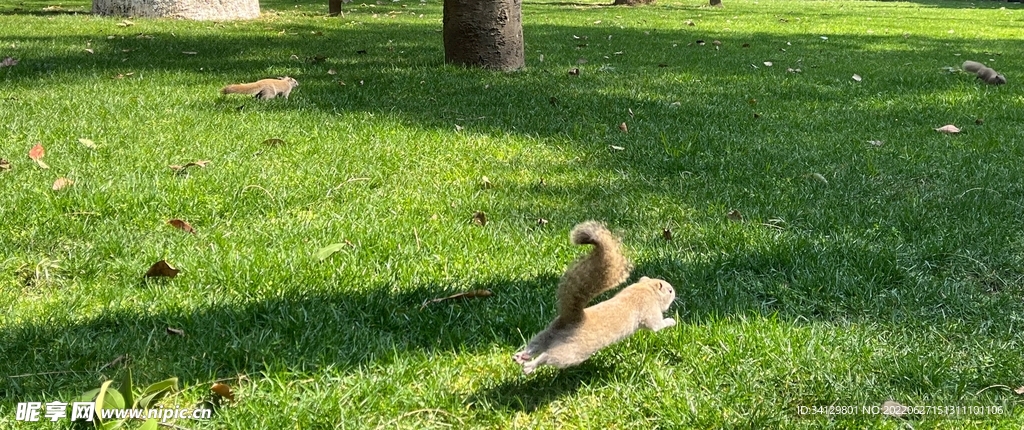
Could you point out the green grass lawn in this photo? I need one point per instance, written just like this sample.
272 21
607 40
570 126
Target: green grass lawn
859 273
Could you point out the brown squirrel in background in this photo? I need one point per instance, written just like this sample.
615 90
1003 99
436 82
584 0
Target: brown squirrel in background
986 74
580 331
264 88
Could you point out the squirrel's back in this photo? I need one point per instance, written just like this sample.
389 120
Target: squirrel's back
601 270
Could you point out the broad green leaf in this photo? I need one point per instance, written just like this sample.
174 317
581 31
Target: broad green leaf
88 396
329 250
113 400
126 388
111 425
150 424
157 390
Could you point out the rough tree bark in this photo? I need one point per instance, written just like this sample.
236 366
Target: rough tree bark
185 9
633 2
484 33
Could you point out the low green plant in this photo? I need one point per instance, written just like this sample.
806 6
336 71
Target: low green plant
125 397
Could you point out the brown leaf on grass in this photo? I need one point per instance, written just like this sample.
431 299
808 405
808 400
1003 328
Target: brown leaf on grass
485 182
480 218
876 142
273 142
666 233
624 128
181 169
4 165
116 361
175 331
893 409
8 62
36 154
475 294
857 78
161 269
574 72
819 177
62 183
1020 390
87 143
951 129
223 390
734 215
332 72
181 225
690 23
89 50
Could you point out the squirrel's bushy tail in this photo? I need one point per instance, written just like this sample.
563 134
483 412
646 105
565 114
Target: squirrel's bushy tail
599 271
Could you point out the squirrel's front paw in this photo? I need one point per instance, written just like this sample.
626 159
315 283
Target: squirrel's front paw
521 357
668 322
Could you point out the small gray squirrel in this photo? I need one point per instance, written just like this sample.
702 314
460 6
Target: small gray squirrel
579 331
986 74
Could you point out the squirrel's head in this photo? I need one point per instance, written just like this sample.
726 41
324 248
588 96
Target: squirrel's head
290 80
666 294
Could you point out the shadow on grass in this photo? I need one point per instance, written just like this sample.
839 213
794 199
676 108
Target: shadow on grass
529 393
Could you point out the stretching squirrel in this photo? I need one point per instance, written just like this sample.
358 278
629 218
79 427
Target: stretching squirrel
264 88
580 331
986 74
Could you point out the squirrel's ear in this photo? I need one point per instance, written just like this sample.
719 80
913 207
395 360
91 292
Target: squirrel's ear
644 279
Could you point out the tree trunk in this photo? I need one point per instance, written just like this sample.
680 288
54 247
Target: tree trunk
186 9
633 2
484 33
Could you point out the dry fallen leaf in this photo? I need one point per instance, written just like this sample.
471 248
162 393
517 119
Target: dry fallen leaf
690 23
189 52
8 62
617 148
89 50
458 128
329 250
892 408
768 63
876 142
332 72
716 42
485 182
273 142
87 143
4 164
62 183
1019 390
36 154
181 169
181 225
857 78
624 128
480 218
574 72
542 222
734 215
475 294
818 177
223 390
175 331
666 233
948 129
161 269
